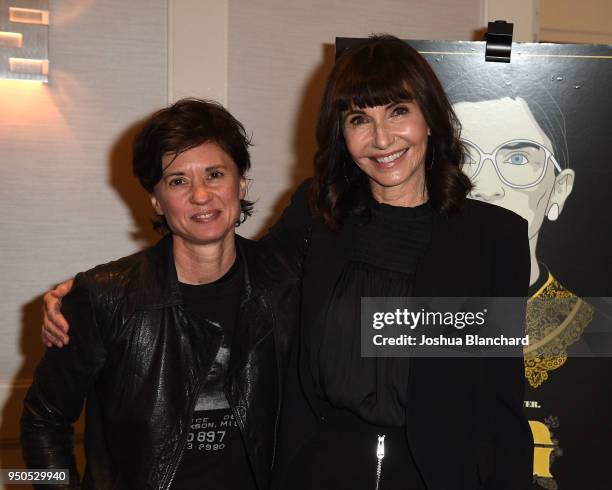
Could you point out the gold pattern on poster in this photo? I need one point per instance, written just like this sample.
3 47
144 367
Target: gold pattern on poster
552 328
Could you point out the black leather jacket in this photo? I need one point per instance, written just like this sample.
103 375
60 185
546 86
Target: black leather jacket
138 359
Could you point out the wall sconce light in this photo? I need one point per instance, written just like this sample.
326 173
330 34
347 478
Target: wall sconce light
24 40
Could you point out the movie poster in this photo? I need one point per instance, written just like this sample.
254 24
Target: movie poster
538 132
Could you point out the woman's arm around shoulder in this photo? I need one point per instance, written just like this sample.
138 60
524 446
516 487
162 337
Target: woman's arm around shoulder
61 383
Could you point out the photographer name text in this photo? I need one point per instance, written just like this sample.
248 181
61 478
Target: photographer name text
444 341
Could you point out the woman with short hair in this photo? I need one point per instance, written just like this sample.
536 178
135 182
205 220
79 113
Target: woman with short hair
179 350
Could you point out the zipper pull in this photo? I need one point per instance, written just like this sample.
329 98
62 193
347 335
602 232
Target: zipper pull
380 449
380 454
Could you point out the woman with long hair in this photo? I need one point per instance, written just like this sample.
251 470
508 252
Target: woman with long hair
386 214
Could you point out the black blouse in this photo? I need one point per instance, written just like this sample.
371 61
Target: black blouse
382 262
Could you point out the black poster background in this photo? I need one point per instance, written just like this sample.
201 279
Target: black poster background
568 400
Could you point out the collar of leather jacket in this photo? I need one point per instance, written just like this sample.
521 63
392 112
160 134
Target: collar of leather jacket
157 283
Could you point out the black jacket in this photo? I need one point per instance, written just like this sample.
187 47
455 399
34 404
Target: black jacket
465 424
138 359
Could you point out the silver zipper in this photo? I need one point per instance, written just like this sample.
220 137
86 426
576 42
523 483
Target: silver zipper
184 436
380 454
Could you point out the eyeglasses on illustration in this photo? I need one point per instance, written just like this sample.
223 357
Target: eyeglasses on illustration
518 163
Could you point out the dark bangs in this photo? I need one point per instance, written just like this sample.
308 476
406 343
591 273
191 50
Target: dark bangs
372 81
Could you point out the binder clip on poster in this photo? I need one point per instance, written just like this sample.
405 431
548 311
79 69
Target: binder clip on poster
499 41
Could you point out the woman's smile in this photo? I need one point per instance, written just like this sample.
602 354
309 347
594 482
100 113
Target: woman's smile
206 216
390 159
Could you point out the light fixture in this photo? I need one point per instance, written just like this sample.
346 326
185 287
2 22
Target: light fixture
24 40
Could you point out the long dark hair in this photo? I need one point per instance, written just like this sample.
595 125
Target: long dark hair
378 71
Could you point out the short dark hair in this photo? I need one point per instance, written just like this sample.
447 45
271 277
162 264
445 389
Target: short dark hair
378 71
184 125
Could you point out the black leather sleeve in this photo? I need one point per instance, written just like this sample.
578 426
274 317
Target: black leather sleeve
61 383
512 464
289 237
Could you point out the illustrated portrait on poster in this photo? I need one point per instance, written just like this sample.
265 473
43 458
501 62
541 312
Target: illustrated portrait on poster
518 127
537 139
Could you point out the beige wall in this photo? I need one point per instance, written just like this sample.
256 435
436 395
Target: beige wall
589 21
562 21
197 49
66 198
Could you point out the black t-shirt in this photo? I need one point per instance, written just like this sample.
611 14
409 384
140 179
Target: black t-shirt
214 456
